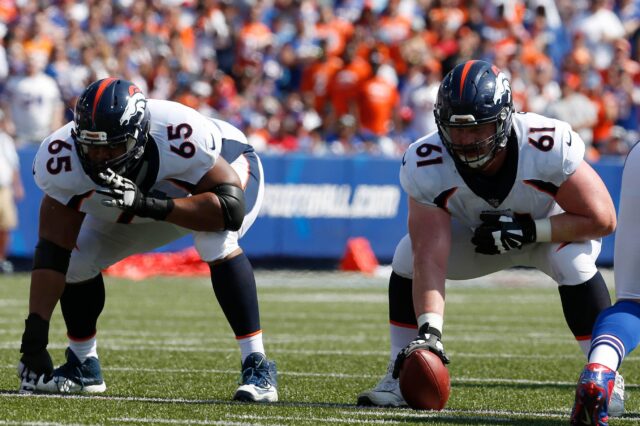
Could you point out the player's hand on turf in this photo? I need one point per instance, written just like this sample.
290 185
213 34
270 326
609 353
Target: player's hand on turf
32 368
428 338
39 363
500 233
125 195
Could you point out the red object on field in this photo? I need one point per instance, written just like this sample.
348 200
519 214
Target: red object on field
186 263
358 256
424 381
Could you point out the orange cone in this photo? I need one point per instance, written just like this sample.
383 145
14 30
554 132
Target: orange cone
358 256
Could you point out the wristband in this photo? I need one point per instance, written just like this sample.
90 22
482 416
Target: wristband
543 230
156 208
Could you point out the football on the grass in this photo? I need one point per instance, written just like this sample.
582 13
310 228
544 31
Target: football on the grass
424 381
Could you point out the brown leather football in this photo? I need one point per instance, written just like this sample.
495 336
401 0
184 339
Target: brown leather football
424 381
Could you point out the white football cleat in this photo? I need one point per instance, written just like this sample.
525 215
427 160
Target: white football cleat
616 404
259 380
71 377
28 379
385 394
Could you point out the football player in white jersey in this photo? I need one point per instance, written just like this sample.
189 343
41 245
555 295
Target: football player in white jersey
617 330
492 189
130 174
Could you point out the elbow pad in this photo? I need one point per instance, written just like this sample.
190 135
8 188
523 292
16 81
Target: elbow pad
232 202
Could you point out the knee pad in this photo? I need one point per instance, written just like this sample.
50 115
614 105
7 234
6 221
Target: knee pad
402 263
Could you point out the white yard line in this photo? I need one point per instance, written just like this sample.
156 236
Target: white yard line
312 352
454 380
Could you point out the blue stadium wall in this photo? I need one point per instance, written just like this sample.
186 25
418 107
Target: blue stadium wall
312 206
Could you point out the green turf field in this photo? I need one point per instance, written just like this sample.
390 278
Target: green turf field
168 355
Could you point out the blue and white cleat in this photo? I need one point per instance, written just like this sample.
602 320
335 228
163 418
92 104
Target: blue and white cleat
259 380
595 386
74 377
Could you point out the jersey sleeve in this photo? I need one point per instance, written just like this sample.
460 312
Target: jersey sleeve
552 150
574 150
207 151
188 142
420 175
567 155
57 170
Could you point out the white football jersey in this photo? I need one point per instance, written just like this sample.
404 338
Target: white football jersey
33 101
548 152
183 146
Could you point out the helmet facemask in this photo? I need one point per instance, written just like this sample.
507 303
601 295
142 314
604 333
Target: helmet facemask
111 116
478 154
121 164
474 94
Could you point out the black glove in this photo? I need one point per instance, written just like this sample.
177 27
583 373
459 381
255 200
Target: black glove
126 196
428 339
35 338
500 233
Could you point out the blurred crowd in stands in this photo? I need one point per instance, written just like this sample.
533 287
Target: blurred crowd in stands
324 76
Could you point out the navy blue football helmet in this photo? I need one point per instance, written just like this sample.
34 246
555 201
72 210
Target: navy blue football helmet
474 93
111 112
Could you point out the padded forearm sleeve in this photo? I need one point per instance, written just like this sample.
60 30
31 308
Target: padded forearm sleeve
155 208
232 202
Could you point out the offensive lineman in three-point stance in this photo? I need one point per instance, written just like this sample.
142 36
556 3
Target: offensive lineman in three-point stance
130 174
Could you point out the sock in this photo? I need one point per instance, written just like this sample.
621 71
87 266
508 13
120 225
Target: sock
401 302
403 327
585 346
581 304
235 288
400 337
81 304
251 344
617 329
84 348
605 355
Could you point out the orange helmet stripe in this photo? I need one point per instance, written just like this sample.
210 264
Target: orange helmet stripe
103 85
465 71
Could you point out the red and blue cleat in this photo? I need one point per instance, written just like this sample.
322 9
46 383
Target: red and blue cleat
595 387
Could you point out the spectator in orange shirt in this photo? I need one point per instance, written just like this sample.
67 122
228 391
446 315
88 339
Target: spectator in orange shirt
378 101
333 29
344 87
608 112
317 76
253 38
